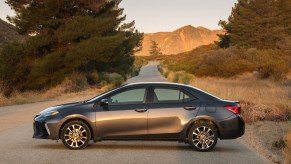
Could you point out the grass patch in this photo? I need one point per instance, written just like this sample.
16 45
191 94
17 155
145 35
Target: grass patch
260 99
287 150
63 91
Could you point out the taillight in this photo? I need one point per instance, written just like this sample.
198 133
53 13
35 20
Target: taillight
234 109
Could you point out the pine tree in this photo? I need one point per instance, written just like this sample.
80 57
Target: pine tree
255 23
67 36
155 50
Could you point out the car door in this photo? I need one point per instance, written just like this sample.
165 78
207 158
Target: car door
169 111
126 115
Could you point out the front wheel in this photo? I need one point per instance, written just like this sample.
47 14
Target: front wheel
75 135
202 137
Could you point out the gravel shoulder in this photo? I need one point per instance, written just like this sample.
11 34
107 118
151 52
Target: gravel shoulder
266 137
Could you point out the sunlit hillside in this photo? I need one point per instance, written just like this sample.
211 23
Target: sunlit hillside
181 40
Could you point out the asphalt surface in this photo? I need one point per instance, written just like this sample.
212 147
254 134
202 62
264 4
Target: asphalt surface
17 146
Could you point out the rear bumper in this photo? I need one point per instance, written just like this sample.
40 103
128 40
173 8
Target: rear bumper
232 127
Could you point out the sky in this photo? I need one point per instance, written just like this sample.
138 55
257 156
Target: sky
166 15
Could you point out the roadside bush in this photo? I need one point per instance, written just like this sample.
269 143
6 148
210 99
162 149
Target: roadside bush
274 69
176 77
231 62
279 144
115 79
223 63
79 81
134 71
160 69
271 64
186 78
166 74
92 78
179 77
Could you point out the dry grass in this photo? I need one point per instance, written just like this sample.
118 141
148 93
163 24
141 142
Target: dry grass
287 150
267 138
260 99
266 106
65 90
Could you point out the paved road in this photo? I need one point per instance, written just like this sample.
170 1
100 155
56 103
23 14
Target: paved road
148 73
17 146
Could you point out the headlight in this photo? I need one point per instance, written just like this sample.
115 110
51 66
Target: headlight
50 113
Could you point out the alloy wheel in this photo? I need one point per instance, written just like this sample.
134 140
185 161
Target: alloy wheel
76 135
202 136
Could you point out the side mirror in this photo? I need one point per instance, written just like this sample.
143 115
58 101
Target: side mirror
104 103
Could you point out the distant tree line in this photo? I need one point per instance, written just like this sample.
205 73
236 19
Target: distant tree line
66 37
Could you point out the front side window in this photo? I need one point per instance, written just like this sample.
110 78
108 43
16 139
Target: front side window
170 95
133 96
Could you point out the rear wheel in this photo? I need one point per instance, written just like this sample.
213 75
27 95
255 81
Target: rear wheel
202 137
75 135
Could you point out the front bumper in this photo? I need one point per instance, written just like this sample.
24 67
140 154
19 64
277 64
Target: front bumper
40 130
232 127
46 127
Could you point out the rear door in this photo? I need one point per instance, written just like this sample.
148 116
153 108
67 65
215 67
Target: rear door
169 111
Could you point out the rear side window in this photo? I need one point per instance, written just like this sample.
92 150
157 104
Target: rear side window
170 95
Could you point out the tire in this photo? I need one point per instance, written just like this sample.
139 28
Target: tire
75 135
202 137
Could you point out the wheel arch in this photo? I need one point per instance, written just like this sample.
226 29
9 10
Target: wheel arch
199 119
76 118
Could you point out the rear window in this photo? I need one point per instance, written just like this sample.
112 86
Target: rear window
170 95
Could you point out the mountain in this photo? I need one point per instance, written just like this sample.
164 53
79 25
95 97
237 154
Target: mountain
8 33
181 40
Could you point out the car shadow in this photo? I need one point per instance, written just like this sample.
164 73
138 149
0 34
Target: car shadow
161 146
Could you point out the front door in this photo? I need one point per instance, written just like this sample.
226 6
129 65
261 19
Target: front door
126 116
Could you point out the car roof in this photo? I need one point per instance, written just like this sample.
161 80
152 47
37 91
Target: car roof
201 93
156 84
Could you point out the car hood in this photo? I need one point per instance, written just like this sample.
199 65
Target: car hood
60 107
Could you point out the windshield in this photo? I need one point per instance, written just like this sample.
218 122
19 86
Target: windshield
100 95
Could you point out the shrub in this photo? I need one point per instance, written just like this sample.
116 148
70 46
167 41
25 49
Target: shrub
223 63
79 81
231 62
186 78
92 78
269 63
160 69
279 144
166 74
115 79
176 77
134 71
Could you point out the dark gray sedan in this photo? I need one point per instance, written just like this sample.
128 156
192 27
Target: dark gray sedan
147 111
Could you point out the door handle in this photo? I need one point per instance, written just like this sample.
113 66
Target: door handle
189 107
140 110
